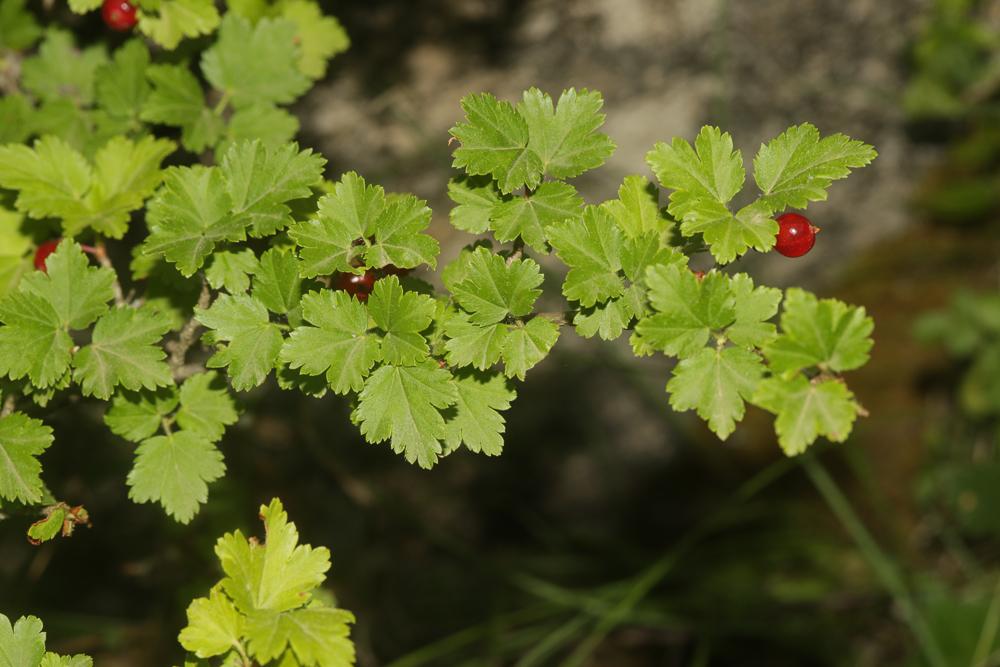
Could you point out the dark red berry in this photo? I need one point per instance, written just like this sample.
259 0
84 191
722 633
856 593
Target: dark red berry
393 270
119 14
359 286
796 235
43 251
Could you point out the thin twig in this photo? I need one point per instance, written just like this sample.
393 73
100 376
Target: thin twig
186 338
9 403
517 252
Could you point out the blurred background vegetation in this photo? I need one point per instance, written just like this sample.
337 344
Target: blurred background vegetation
612 532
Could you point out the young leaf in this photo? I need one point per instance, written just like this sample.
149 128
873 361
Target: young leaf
189 215
475 197
797 167
51 177
261 179
136 416
338 344
806 410
471 344
214 626
688 309
530 217
22 440
592 248
494 140
270 46
566 139
820 332
320 37
401 316
637 209
609 319
206 406
174 470
317 636
173 20
123 352
716 382
492 290
62 72
527 345
402 404
231 270
253 342
398 235
754 307
277 284
121 86
346 214
23 644
477 422
177 100
276 575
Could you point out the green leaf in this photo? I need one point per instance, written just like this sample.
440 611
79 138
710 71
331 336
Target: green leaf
346 214
231 270
531 217
637 209
715 383
83 6
609 319
214 626
52 177
173 20
48 528
494 140
477 422
124 352
262 178
206 406
401 316
174 470
22 645
276 575
121 86
270 46
320 37
754 307
277 284
60 71
398 235
492 290
253 341
338 345
592 249
177 100
688 309
271 125
189 215
15 118
475 196
402 404
565 138
820 332
22 440
18 28
136 416
317 635
807 410
71 295
53 660
471 344
797 167
527 345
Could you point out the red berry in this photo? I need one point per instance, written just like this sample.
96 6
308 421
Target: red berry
43 252
359 286
118 14
393 270
796 235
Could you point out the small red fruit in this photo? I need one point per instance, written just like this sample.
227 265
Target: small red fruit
359 286
43 251
796 235
119 14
